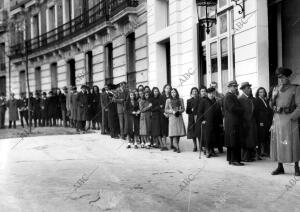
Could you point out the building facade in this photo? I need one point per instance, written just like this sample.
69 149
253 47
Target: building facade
75 42
4 8
245 47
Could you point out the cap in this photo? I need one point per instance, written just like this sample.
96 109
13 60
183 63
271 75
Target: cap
210 90
283 72
232 83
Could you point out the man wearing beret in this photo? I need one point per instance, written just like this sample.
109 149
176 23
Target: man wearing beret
249 128
233 112
285 143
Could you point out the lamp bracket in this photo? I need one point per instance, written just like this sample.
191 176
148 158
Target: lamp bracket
241 5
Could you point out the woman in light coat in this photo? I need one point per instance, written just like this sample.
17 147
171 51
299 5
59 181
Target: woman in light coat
175 107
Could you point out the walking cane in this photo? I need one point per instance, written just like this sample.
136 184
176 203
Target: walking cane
201 139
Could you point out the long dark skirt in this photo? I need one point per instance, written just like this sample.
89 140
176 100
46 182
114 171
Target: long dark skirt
133 125
156 124
164 125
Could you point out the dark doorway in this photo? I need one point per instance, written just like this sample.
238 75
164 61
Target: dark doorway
168 61
273 43
108 63
38 84
89 67
130 57
71 73
53 69
22 81
3 85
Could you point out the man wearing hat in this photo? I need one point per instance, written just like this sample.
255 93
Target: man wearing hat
232 121
12 105
44 108
36 116
2 110
249 127
104 101
285 143
211 117
82 108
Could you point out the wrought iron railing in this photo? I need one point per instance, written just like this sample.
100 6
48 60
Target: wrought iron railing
100 13
117 6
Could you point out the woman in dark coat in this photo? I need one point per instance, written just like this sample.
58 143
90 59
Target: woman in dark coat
156 119
264 120
133 121
90 112
82 108
191 110
96 108
166 94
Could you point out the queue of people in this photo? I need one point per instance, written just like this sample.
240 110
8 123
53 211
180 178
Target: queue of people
251 127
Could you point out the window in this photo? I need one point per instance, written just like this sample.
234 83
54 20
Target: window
224 63
38 85
2 56
22 82
51 24
219 43
163 9
71 72
130 58
89 67
223 23
53 70
108 63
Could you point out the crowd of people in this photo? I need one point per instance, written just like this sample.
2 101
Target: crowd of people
147 117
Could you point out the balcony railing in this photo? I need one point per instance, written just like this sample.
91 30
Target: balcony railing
87 20
119 5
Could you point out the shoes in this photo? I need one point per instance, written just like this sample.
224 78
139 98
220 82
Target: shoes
173 147
237 164
178 150
278 171
128 146
195 149
297 171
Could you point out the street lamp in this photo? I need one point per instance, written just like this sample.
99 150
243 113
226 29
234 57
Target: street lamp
207 13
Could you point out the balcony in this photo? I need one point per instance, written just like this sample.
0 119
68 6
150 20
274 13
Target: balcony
120 5
3 20
95 16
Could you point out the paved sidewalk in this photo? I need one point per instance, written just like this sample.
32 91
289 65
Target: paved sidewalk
92 172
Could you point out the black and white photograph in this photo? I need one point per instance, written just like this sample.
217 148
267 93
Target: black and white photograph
149 105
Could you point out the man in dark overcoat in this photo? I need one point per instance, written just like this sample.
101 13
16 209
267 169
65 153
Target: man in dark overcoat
12 105
73 107
2 110
249 131
104 103
82 108
63 107
233 112
23 106
44 107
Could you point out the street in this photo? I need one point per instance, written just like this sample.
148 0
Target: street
92 172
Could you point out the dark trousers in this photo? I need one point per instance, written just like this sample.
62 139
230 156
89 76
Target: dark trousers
233 154
122 123
52 121
24 115
248 154
10 122
2 118
104 121
64 117
81 125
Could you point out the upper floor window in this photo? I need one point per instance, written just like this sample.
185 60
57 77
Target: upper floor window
162 10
